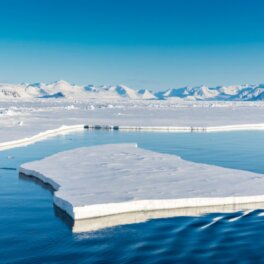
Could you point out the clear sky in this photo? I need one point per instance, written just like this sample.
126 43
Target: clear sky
155 44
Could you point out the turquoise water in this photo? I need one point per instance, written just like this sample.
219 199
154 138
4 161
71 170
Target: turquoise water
32 232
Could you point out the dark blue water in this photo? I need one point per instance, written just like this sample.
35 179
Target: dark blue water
32 232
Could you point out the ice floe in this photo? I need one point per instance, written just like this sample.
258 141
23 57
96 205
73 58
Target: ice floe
122 178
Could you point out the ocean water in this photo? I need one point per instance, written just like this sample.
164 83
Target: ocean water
32 231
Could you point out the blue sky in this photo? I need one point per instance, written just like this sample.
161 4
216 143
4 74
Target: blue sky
155 44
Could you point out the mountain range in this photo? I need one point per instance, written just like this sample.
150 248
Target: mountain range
63 89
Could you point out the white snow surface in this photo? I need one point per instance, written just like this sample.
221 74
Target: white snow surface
120 178
25 122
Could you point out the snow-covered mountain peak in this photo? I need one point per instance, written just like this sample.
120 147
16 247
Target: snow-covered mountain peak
124 91
146 94
61 84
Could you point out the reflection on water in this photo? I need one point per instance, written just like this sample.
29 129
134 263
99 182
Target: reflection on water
98 223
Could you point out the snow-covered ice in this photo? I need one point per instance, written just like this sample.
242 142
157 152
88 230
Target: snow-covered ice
121 178
26 120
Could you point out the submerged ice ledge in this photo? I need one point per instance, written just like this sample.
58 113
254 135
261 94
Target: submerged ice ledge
122 178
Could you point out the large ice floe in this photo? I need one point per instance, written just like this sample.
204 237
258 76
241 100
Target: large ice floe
113 179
